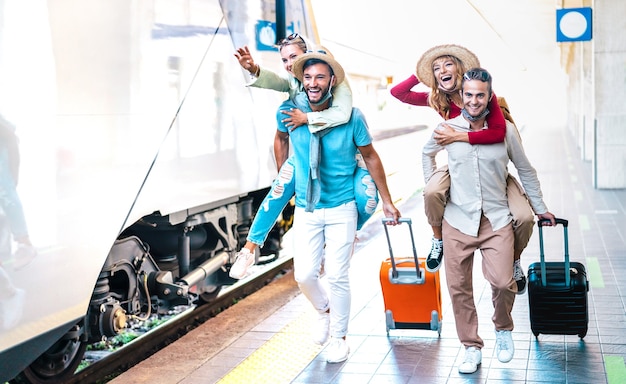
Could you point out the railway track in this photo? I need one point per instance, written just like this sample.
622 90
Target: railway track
115 363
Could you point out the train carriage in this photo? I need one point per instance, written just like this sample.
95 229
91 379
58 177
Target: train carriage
142 159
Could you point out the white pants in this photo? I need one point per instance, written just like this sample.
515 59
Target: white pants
326 235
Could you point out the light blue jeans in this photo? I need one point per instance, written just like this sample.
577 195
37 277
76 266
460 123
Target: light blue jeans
283 188
326 235
7 290
10 203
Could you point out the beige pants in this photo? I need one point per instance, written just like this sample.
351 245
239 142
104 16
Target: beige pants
496 248
436 194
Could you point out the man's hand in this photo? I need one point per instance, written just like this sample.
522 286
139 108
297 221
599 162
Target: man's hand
296 118
446 135
548 216
246 61
391 212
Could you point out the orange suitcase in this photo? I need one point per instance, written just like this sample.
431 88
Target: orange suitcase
412 295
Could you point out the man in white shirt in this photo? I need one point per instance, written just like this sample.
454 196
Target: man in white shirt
477 216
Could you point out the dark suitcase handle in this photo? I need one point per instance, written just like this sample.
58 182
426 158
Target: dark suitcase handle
544 222
541 224
394 272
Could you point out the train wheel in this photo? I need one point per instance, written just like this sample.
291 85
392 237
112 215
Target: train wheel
57 364
207 297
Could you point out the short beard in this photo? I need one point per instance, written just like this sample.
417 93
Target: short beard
324 99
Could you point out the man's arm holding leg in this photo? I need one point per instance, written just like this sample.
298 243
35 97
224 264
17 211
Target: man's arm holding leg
281 148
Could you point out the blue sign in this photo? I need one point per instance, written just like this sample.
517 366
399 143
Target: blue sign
265 32
265 35
573 24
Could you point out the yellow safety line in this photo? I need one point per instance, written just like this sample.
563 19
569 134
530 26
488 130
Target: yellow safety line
280 359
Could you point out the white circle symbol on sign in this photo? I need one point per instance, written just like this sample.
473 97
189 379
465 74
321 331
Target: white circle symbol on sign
573 24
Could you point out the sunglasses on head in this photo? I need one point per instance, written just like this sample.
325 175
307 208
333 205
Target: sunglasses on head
481 75
290 39
323 52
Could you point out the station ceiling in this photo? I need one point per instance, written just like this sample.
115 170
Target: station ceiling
514 40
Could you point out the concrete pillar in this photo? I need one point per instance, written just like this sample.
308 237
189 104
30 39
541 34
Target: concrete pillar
609 69
597 92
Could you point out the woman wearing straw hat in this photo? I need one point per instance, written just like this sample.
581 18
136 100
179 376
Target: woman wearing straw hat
282 190
441 68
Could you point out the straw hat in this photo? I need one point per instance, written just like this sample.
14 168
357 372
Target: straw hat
320 53
425 63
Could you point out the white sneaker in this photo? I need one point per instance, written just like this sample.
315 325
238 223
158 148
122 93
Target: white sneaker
337 350
321 328
11 309
244 259
23 256
504 346
473 358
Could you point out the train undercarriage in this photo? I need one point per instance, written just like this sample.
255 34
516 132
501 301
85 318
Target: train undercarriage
156 264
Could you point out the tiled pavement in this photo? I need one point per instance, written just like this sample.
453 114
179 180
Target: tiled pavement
276 348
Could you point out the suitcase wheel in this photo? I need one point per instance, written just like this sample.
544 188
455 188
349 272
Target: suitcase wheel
391 324
581 334
435 324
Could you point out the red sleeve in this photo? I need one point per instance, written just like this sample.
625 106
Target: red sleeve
497 127
402 91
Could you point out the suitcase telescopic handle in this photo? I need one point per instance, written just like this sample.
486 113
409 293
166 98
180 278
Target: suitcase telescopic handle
400 220
394 270
541 224
544 222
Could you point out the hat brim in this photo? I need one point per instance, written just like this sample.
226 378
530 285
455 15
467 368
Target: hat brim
323 55
424 68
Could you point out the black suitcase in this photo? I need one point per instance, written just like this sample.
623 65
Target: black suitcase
557 300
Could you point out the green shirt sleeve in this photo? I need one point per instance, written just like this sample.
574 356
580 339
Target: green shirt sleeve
270 80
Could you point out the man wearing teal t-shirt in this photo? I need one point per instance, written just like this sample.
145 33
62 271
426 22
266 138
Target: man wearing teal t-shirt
325 218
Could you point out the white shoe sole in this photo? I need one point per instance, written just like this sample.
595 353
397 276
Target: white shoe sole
505 360
339 360
468 371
